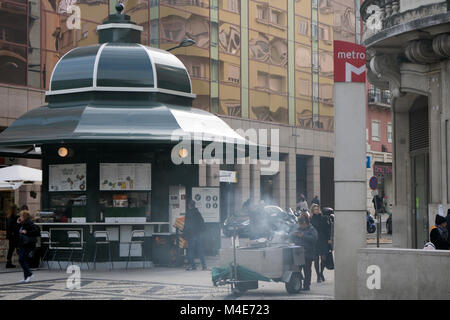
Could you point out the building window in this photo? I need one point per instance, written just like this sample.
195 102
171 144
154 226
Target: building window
262 13
233 5
276 17
303 27
375 130
389 132
324 33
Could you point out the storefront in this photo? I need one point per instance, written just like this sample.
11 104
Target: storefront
108 143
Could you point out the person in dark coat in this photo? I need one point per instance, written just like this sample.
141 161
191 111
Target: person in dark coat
12 235
448 221
28 234
306 236
439 234
194 226
316 200
322 224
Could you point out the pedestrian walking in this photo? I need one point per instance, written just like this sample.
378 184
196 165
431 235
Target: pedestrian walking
302 204
194 227
28 234
439 234
323 227
306 236
12 235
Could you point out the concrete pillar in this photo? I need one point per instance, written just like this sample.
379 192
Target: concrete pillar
437 158
291 179
279 186
202 175
312 178
402 224
350 184
243 185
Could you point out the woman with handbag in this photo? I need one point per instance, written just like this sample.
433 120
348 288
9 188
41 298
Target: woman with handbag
28 234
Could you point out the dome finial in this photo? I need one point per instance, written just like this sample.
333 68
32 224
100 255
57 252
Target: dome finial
120 6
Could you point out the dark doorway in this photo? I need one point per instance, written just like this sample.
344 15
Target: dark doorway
327 182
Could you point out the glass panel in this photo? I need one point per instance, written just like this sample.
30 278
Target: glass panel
34 67
198 67
230 100
269 49
94 10
55 35
172 78
303 58
34 24
13 23
268 107
13 64
75 70
303 84
229 39
129 204
67 206
344 22
303 112
326 63
124 65
230 73
138 11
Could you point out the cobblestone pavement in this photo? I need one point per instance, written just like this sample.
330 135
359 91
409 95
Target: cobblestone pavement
151 284
98 289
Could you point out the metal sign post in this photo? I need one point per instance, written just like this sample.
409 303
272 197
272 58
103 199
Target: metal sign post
349 163
373 184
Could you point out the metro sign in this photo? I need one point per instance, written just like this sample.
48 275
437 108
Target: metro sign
349 62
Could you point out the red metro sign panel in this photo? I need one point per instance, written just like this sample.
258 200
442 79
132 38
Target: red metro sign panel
349 62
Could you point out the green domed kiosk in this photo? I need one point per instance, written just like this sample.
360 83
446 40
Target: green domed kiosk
106 140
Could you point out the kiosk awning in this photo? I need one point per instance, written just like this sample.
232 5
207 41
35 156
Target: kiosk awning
90 122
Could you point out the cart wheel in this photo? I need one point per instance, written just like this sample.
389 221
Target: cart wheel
295 283
237 289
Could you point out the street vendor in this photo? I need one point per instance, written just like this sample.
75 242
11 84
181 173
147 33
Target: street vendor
306 236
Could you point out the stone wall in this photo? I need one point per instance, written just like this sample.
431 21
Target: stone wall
405 274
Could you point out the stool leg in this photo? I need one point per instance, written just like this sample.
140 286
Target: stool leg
129 252
95 257
82 255
143 255
71 254
109 254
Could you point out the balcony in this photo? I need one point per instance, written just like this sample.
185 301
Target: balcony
387 18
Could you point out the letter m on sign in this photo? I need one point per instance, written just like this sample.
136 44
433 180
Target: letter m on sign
349 69
349 62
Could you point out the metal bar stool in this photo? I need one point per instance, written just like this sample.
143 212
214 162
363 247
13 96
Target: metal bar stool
137 237
102 238
45 240
75 240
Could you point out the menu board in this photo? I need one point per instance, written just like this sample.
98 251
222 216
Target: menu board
67 177
125 176
207 202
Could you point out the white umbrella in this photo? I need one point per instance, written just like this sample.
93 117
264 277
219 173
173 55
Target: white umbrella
9 186
20 173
